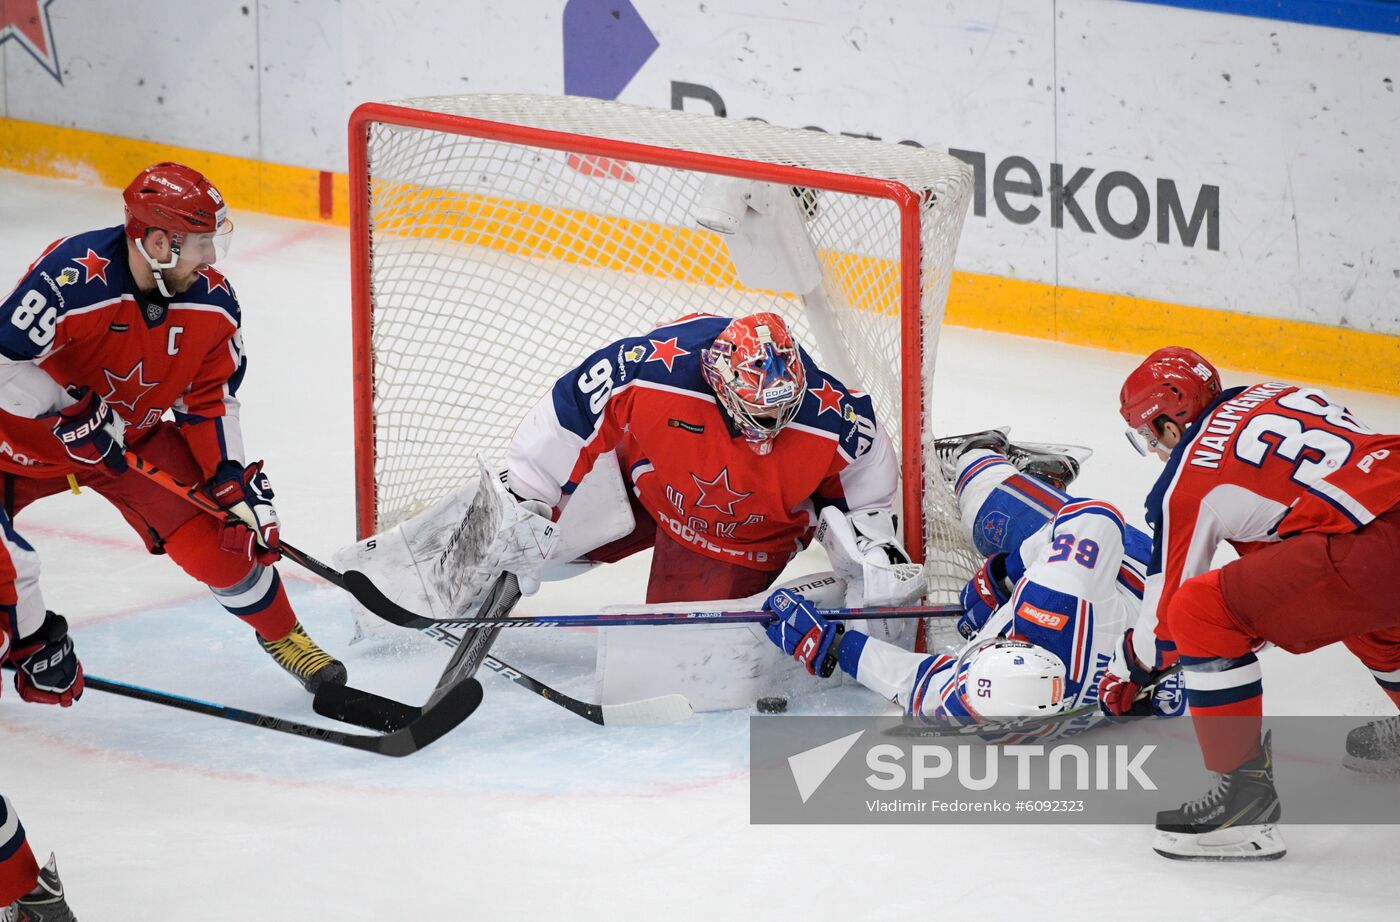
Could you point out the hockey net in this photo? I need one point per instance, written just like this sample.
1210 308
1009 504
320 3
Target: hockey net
497 240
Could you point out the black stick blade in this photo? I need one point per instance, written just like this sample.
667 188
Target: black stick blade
437 721
363 708
369 595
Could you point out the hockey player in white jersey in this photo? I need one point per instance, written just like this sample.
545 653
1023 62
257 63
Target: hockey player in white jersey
1062 579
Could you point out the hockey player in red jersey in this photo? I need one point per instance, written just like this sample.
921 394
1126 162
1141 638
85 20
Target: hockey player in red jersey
1310 497
106 333
26 890
736 445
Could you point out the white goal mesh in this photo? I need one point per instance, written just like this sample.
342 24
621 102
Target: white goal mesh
500 239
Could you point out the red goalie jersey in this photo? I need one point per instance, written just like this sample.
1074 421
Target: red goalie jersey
646 398
79 316
1260 464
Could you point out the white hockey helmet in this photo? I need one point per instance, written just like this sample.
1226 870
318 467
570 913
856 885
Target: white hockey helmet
1011 677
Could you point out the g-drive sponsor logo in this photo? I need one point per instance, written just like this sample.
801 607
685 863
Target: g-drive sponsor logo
1058 767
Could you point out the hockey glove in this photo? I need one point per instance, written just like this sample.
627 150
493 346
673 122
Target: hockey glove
91 431
865 552
1124 680
47 670
988 590
802 633
247 493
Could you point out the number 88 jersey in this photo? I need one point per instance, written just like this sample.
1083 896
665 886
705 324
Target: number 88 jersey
1260 464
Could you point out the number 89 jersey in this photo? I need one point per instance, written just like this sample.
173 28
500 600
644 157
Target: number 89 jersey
1258 465
79 316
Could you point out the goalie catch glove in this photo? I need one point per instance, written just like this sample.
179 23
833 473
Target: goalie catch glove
867 555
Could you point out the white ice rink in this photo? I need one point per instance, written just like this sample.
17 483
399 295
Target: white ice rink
526 809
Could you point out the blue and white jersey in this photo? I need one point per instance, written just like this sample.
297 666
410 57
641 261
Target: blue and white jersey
1078 582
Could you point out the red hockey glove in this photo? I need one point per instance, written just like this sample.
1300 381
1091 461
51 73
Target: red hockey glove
247 493
91 431
47 670
1124 680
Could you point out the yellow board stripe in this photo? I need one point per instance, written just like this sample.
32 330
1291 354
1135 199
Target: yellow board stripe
1289 349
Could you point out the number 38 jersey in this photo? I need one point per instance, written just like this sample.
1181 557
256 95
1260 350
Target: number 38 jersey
645 398
78 315
1258 465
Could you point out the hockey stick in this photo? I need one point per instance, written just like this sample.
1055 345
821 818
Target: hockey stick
431 724
341 702
394 614
662 709
364 591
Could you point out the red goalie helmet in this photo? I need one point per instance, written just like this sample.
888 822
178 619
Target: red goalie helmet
1174 382
756 371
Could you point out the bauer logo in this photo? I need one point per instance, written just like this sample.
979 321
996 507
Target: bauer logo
1042 770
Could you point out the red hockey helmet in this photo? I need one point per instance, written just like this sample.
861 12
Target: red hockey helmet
756 371
1174 382
173 198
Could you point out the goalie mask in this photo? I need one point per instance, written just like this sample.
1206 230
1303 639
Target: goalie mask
756 371
1011 677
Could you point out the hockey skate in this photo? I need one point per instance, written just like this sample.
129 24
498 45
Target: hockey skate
45 903
1056 465
1375 747
309 664
1234 821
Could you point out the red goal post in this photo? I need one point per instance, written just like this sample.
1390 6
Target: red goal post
547 216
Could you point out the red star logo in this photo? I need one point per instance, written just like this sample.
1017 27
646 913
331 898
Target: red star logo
27 22
214 278
666 351
94 265
829 398
141 386
717 494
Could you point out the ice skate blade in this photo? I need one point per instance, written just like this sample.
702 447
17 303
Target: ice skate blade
1238 843
1372 766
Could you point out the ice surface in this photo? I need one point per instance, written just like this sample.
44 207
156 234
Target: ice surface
528 809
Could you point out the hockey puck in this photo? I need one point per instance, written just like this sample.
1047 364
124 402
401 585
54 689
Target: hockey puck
773 705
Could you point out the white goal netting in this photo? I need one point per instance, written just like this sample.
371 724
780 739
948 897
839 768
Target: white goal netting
503 238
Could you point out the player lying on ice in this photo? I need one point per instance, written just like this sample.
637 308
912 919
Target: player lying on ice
734 446
1062 580
1310 497
106 332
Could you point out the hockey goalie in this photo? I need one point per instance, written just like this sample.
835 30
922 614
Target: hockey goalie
717 443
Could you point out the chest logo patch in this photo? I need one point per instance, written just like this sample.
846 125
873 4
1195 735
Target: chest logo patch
674 423
717 494
132 384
